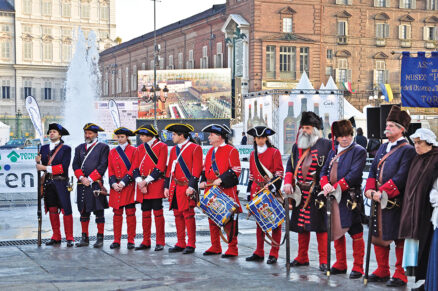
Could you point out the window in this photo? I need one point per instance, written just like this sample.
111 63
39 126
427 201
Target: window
190 62
66 52
106 84
430 33
180 61
47 30
170 64
381 3
6 89
47 90
218 61
5 28
46 8
47 51
270 61
27 6
432 5
329 54
342 72
85 10
66 32
381 74
104 12
66 9
329 71
287 24
119 81
113 82
127 79
27 90
143 66
304 60
160 62
408 4
342 28
344 2
27 29
134 78
287 62
27 50
404 32
103 34
204 59
5 49
382 30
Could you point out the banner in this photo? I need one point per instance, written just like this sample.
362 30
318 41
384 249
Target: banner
114 111
34 113
419 80
17 171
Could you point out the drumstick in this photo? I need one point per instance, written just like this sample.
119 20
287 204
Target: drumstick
267 185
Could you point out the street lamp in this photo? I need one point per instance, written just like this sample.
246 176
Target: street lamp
236 35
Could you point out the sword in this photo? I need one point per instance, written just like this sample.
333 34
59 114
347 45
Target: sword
370 237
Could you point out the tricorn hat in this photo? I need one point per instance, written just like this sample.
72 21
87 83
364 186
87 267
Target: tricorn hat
221 129
310 118
147 129
180 127
124 130
56 126
93 127
342 128
259 131
399 116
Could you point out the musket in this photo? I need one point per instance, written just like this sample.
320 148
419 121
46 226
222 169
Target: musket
329 231
370 237
39 192
286 208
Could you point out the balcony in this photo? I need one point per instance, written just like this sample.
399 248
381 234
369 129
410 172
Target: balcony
380 42
405 43
431 44
342 39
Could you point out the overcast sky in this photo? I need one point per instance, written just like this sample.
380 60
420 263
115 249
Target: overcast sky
136 17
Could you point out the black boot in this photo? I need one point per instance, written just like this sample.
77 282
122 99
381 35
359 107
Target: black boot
84 242
99 241
53 242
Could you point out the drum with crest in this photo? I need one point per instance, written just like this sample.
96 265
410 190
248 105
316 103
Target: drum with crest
218 206
267 211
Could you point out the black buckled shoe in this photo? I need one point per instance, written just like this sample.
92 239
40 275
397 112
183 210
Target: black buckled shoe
295 263
70 243
53 242
84 242
159 248
228 256
99 241
207 253
335 271
254 258
374 278
395 282
142 247
323 267
271 260
355 275
130 246
188 250
176 249
115 245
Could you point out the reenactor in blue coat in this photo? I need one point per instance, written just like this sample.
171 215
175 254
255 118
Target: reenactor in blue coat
90 164
54 159
388 173
344 168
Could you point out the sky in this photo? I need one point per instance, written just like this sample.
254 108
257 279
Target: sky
136 17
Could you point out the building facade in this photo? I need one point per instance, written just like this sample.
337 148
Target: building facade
273 42
37 42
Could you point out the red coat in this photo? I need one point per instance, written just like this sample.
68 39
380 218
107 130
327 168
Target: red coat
192 155
143 165
271 159
228 163
116 171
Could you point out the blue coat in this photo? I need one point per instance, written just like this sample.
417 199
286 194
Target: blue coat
349 178
394 177
60 165
94 167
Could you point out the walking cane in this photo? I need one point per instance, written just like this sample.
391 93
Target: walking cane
370 236
329 231
286 208
39 213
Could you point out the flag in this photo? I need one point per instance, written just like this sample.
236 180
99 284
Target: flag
387 92
347 86
34 112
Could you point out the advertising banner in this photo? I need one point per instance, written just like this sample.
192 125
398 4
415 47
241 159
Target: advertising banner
17 171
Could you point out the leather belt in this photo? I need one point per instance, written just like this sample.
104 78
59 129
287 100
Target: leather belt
305 186
97 181
180 182
56 177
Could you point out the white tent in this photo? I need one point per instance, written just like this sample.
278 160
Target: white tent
4 133
304 83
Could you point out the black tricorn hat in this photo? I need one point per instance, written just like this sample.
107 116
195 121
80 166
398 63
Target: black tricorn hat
221 129
93 127
342 128
180 127
124 130
310 118
259 131
399 116
147 129
56 126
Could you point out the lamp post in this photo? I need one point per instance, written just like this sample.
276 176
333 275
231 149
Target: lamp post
375 98
18 119
236 35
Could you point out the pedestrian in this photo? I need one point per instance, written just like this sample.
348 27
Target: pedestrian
182 176
415 226
373 146
89 165
197 139
222 169
388 173
265 166
303 169
432 267
244 140
343 168
360 139
122 196
54 158
148 170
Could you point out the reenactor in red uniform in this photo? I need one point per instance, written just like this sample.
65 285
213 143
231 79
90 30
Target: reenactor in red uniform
265 166
222 169
121 195
182 176
148 169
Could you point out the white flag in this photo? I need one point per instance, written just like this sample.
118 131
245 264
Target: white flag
114 111
34 113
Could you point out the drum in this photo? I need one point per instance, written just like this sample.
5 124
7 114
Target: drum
218 206
267 211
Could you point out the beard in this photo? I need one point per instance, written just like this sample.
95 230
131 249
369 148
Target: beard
306 141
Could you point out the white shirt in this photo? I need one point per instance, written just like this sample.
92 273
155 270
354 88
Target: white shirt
390 144
123 146
262 149
151 142
180 145
52 146
223 144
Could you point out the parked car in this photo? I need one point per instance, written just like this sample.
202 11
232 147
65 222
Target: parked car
35 142
17 143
